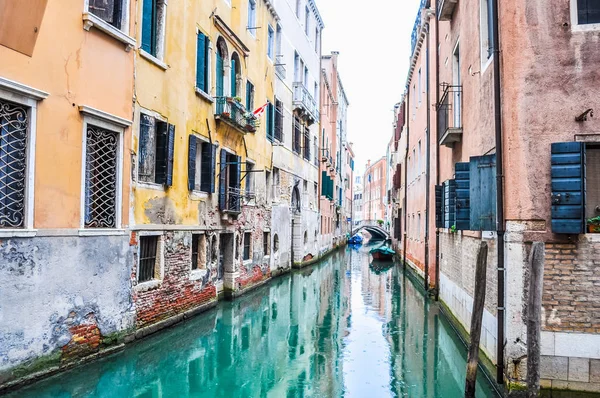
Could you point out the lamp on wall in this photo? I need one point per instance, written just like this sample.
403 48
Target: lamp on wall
584 116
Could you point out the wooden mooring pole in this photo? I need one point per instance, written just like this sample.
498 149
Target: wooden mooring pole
476 318
534 318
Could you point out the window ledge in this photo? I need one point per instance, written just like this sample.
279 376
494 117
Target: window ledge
101 232
150 185
204 95
149 285
199 195
592 238
18 233
197 274
592 27
90 20
151 58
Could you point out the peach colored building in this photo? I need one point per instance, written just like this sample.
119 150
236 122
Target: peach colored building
374 191
66 97
529 174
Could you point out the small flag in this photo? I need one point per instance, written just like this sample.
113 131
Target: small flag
258 113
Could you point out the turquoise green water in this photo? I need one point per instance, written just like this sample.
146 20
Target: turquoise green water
337 329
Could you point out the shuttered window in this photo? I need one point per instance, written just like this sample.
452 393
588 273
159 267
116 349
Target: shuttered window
110 11
568 195
482 186
201 165
247 243
278 116
439 206
270 127
156 151
202 62
463 203
588 12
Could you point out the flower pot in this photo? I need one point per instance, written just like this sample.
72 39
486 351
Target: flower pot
225 114
594 228
250 128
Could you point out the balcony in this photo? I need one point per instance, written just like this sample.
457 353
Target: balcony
450 115
305 104
446 9
234 114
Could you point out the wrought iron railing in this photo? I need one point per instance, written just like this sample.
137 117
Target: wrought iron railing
297 137
450 108
233 112
304 100
306 143
279 121
234 199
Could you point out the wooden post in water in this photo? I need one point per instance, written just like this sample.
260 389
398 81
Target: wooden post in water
534 318
476 318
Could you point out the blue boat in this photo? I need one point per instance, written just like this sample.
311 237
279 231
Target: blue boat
355 240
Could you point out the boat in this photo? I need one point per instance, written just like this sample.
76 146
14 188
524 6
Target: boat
382 253
355 240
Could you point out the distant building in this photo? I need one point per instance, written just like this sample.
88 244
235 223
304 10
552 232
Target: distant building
374 189
357 205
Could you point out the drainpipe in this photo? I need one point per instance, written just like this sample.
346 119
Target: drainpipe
499 194
437 151
427 161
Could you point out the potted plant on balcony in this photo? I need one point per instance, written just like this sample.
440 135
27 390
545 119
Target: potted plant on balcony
593 224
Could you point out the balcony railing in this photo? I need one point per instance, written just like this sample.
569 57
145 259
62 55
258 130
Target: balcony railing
450 115
305 103
234 113
446 9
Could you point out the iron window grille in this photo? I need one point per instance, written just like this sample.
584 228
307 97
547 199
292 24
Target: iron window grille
101 167
14 122
247 237
306 143
278 120
297 136
195 245
148 252
266 242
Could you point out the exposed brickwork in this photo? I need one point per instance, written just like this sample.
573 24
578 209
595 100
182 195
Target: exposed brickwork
176 292
571 300
85 339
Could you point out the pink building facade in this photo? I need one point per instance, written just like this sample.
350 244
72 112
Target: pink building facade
531 174
374 191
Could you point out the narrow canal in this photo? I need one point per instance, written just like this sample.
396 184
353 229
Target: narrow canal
337 329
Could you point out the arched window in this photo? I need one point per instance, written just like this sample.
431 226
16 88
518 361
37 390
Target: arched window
222 55
296 200
236 75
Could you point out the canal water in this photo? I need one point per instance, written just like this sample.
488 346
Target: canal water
339 328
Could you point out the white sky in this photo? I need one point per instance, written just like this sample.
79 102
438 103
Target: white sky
373 38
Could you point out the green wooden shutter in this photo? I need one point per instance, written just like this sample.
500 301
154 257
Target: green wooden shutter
482 185
439 206
233 80
192 149
219 75
170 155
201 62
223 180
269 126
462 204
160 165
149 26
568 187
323 183
449 201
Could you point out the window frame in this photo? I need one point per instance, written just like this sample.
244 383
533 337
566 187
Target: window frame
249 235
200 140
252 17
161 34
160 246
484 33
270 43
118 125
30 97
266 243
205 94
575 25
147 184
121 34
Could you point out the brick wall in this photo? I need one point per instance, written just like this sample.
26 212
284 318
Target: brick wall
571 299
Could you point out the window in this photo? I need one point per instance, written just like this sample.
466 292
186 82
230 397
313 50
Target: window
266 243
201 165
420 159
249 179
202 62
297 135
317 40
486 30
305 81
275 243
270 42
419 92
148 258
306 143
14 128
298 3
252 17
155 153
588 12
278 120
306 21
414 100
198 251
249 96
270 127
110 11
153 27
247 240
101 177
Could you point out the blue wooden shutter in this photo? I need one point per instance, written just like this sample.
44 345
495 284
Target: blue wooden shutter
201 62
462 205
269 121
170 155
568 184
192 163
482 180
219 74
160 160
205 166
439 206
449 203
148 26
223 180
233 81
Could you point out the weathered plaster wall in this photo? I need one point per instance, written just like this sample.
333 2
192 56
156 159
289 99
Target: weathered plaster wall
51 286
